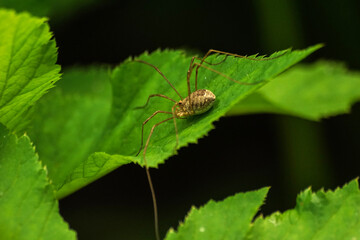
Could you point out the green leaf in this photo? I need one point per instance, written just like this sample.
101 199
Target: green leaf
94 121
228 219
311 91
68 125
320 215
27 204
124 130
27 65
94 167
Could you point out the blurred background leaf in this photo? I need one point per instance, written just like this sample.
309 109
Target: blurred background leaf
312 91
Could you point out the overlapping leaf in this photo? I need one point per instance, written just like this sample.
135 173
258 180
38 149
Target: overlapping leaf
68 127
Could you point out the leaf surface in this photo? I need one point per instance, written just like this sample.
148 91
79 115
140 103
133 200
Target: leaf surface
228 219
27 65
311 91
99 128
317 216
28 207
68 125
124 128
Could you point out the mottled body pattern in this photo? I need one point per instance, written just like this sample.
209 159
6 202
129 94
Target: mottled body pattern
196 103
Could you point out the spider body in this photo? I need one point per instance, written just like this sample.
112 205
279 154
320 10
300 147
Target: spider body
196 103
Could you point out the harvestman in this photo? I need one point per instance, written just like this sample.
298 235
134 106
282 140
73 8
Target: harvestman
197 102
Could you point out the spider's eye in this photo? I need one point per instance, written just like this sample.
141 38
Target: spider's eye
180 103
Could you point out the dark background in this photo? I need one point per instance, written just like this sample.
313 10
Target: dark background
242 153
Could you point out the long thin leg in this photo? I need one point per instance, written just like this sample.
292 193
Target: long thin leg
189 72
227 54
189 75
142 128
158 70
191 68
210 62
239 56
156 219
176 131
188 79
226 76
155 95
201 62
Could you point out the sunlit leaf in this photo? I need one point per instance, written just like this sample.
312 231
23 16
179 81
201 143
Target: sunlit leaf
319 215
27 65
28 206
228 219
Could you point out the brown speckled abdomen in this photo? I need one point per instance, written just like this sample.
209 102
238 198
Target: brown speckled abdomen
201 101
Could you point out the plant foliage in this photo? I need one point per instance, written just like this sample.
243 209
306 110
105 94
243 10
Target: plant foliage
28 206
27 65
88 126
99 129
319 215
311 91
